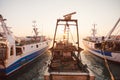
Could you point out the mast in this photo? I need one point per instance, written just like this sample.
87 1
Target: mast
7 34
8 38
66 33
94 30
35 29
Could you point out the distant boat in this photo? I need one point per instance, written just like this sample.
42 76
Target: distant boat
66 63
15 52
105 47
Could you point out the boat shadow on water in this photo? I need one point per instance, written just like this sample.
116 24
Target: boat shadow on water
31 71
97 66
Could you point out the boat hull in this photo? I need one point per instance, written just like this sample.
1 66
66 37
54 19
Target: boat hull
22 62
112 56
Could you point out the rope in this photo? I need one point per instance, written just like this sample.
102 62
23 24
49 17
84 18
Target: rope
71 36
106 62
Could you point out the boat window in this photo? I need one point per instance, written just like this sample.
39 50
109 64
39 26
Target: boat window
11 51
18 51
98 45
23 48
36 46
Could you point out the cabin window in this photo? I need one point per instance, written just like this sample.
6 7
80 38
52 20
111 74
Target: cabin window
18 51
11 51
23 48
36 46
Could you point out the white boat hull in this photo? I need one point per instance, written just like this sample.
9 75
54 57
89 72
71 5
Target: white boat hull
112 56
22 60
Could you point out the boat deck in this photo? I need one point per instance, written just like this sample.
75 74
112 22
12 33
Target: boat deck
65 64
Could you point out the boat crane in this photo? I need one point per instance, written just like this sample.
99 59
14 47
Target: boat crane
109 34
67 19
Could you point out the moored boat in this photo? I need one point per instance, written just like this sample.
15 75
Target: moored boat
16 52
66 63
105 47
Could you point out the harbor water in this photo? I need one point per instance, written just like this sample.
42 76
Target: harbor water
35 70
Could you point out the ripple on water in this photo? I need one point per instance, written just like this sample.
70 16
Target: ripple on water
35 70
97 66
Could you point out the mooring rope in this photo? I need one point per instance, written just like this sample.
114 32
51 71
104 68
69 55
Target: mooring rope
106 62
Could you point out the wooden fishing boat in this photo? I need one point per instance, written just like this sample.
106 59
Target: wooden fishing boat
66 63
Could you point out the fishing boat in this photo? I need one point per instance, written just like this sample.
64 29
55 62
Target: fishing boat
16 52
105 47
66 62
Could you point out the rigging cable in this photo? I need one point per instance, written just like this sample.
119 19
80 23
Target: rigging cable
71 36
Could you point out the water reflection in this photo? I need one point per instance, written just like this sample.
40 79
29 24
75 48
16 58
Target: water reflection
97 66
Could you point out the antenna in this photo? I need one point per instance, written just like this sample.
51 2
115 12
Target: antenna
68 16
94 30
35 29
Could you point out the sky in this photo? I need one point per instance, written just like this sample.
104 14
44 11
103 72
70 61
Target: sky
21 13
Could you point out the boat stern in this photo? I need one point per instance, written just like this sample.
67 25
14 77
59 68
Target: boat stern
68 75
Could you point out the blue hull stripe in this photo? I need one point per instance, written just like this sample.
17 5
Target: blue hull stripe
106 53
22 62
